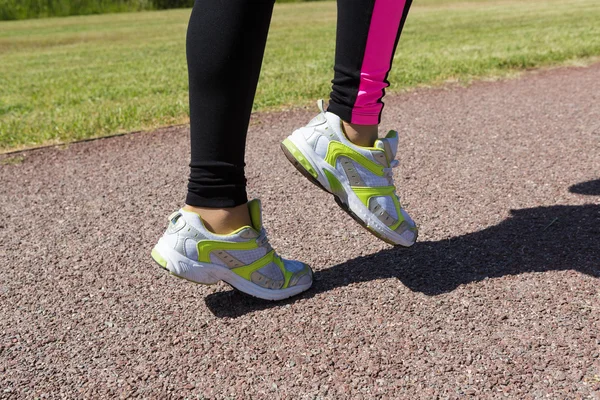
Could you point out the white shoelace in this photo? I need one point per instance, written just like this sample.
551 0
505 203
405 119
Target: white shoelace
389 172
263 241
262 238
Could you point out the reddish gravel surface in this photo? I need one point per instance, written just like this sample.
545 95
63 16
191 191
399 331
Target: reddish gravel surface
500 298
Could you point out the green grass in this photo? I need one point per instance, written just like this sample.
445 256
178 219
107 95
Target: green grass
26 9
65 79
23 9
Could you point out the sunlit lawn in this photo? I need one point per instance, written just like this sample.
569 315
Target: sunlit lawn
65 79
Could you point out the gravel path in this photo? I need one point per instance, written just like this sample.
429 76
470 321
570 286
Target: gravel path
500 298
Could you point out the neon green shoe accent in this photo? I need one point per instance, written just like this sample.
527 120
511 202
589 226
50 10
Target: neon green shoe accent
206 246
300 157
287 274
337 149
334 183
398 213
365 193
255 215
247 270
391 134
157 257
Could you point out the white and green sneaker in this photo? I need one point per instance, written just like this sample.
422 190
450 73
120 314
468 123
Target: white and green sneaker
244 259
360 178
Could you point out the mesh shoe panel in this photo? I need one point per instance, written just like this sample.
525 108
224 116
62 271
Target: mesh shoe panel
272 271
370 178
293 265
388 205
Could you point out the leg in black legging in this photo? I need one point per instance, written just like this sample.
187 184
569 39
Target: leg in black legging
225 46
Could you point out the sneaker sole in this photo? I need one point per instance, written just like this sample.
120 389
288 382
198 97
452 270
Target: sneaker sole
301 162
209 274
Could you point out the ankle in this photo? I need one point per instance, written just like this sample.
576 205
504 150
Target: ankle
222 221
361 135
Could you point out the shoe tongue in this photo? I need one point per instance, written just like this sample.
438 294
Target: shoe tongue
389 145
255 210
320 118
321 105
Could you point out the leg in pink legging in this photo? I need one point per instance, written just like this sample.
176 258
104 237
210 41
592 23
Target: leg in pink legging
367 36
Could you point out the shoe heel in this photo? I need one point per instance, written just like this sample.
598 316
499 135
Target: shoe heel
298 160
158 259
180 268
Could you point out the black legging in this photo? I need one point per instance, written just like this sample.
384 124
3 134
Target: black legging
225 46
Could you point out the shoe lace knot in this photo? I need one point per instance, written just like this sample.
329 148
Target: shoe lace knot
262 239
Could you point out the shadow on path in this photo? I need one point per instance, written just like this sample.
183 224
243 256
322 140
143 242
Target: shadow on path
591 188
533 239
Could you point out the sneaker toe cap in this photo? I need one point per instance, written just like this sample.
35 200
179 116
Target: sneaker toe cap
302 273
